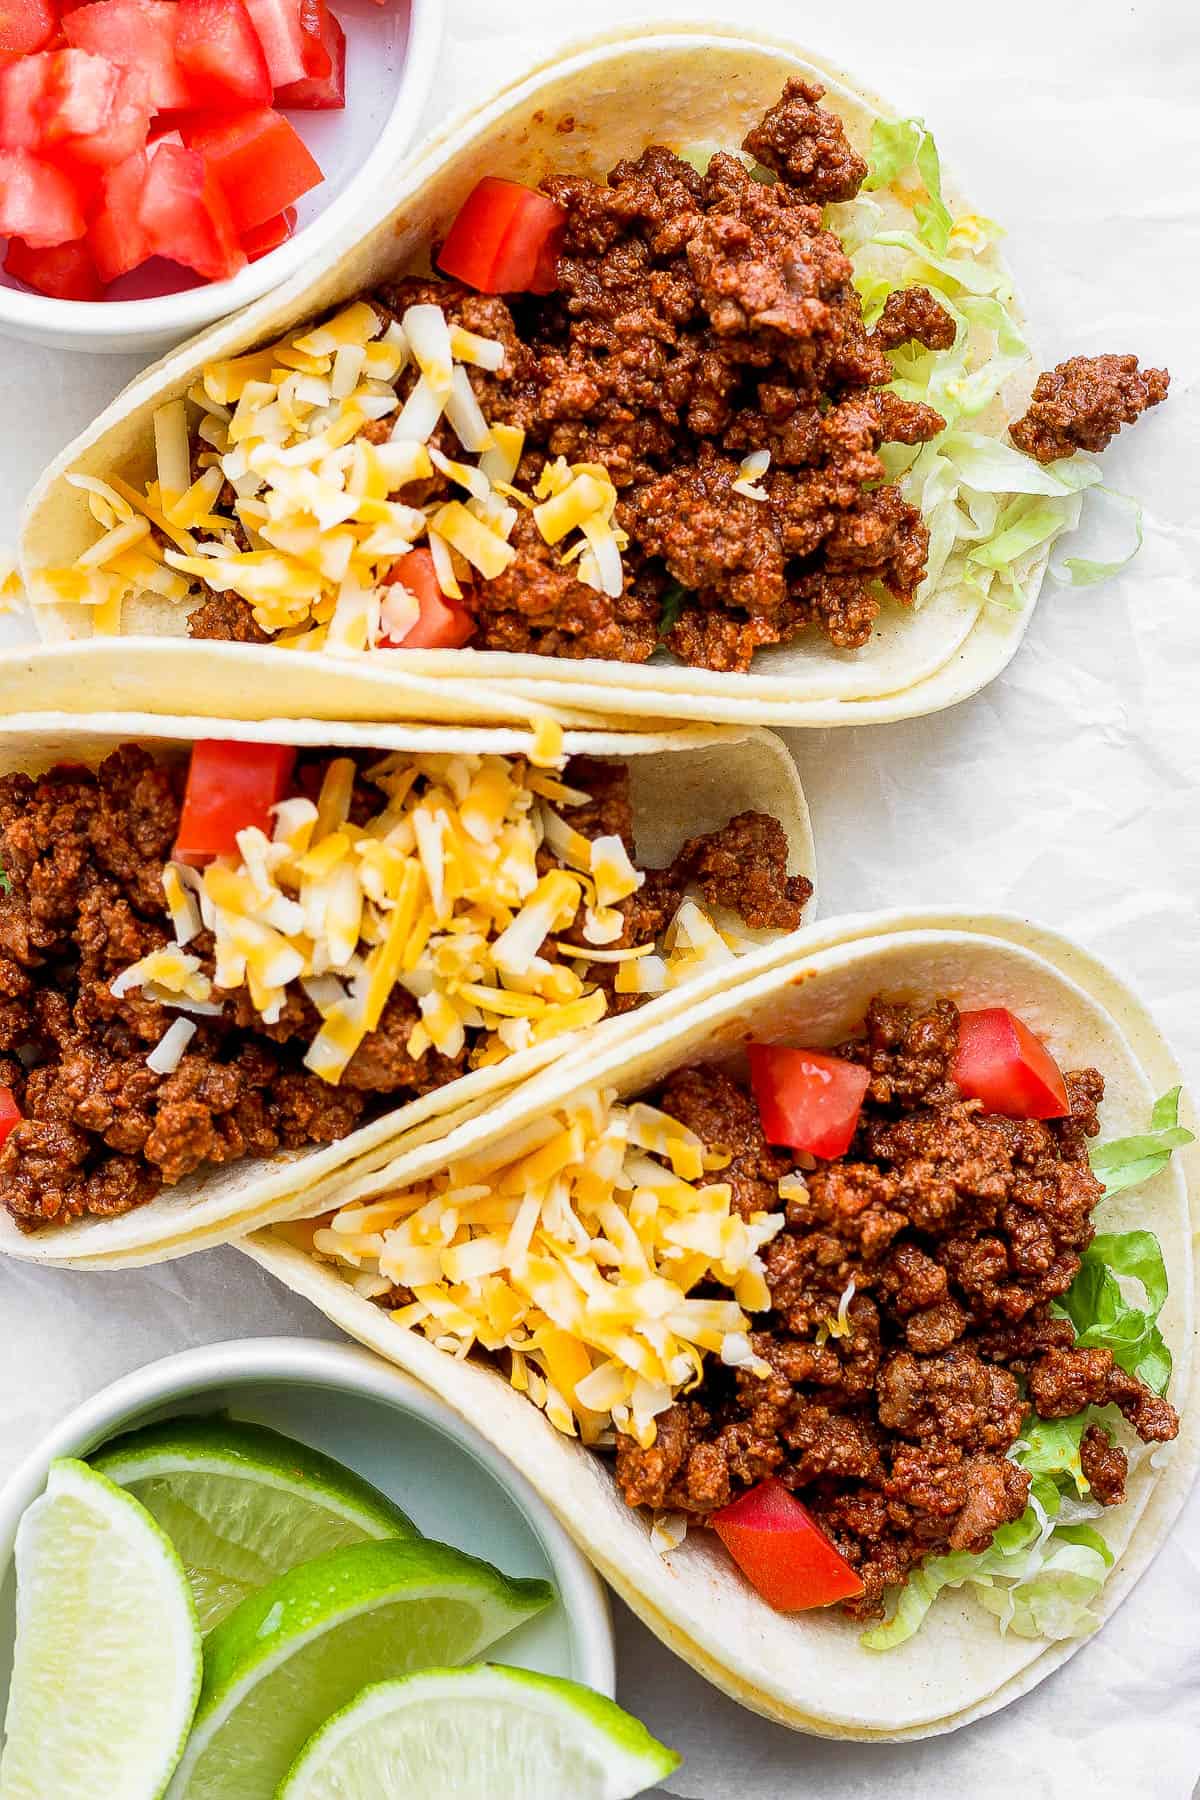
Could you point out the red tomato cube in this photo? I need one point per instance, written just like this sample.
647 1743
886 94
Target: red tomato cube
230 786
10 1112
1002 1063
22 97
185 216
66 272
325 93
220 54
37 202
116 237
782 1551
257 159
26 26
281 35
807 1100
137 34
265 238
442 623
504 239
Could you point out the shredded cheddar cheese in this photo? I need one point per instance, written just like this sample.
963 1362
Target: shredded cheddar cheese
439 894
575 1245
290 507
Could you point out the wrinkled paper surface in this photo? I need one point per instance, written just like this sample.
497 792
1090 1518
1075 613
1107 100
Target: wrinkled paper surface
1068 791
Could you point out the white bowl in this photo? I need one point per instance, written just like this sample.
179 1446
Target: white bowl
392 53
452 1483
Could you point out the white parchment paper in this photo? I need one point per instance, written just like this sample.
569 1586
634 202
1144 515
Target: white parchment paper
1069 791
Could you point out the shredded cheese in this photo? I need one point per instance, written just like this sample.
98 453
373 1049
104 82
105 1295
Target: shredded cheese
439 894
575 1245
314 519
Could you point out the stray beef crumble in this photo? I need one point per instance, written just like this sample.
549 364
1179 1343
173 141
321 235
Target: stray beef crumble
1083 403
101 1133
958 1230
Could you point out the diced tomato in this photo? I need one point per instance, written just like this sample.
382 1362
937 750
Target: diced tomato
26 26
10 1112
1003 1064
185 215
277 23
317 61
116 237
74 108
782 1551
37 202
66 272
220 55
22 97
807 1100
122 133
78 94
265 238
259 161
230 786
137 34
505 239
443 623
328 92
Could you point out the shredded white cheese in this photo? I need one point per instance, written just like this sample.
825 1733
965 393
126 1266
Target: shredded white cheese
575 1244
316 522
438 894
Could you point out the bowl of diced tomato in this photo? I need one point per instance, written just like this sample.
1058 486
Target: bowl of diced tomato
163 162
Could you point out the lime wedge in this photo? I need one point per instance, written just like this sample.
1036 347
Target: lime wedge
106 1670
294 1652
461 1734
243 1504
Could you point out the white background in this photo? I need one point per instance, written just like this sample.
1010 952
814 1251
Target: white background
1067 791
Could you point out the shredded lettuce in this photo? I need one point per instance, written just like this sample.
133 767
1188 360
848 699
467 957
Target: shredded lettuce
993 513
1041 1573
900 144
1104 1318
1124 1162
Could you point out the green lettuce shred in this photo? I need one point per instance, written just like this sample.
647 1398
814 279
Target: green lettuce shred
993 513
901 144
1124 1162
1042 1573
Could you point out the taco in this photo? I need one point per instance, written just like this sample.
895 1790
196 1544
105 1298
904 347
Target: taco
235 964
846 1318
724 420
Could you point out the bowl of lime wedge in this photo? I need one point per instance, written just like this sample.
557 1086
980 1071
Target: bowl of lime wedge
281 1570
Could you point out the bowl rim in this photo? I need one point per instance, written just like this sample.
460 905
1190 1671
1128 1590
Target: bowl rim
245 1362
181 314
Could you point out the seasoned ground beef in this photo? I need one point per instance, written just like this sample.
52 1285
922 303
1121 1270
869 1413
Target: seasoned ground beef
101 1133
944 1235
1083 403
913 316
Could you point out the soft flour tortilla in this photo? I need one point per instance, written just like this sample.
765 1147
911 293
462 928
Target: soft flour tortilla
682 783
580 112
809 1671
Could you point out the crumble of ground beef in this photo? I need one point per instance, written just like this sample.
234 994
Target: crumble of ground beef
806 145
945 1234
1083 403
912 316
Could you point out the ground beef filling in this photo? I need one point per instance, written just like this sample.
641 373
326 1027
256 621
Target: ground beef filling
957 1230
1083 403
83 854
